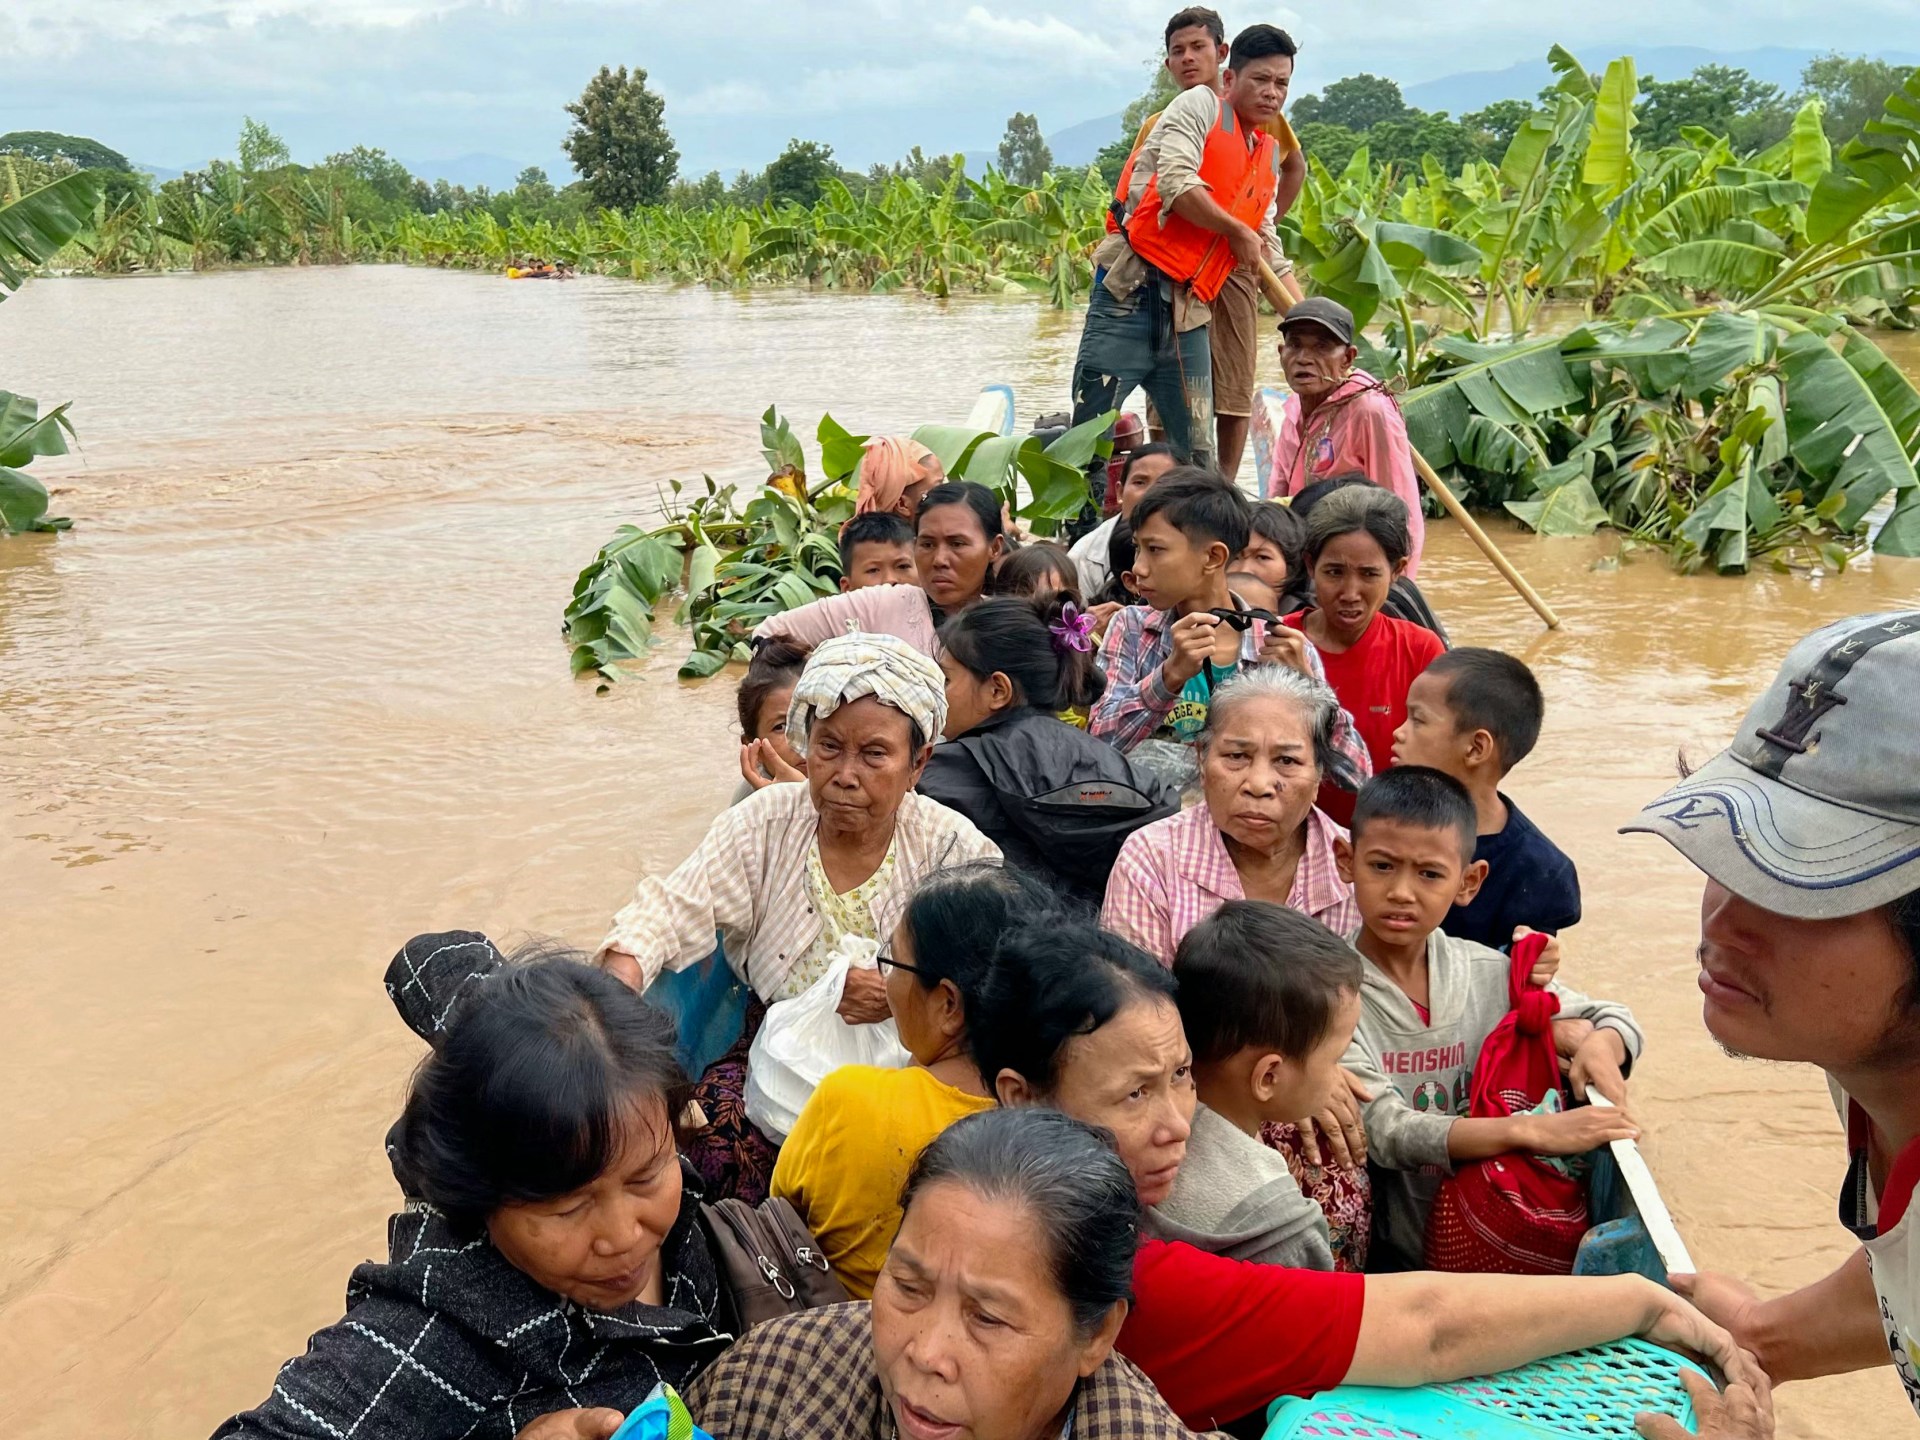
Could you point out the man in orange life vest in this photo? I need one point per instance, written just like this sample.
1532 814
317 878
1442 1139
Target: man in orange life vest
1200 206
1196 41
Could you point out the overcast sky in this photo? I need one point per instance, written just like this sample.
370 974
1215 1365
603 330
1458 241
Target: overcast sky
166 81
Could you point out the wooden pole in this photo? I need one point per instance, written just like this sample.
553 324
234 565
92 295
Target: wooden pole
1451 504
1282 302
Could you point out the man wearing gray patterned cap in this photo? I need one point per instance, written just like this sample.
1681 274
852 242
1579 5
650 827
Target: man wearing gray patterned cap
1808 829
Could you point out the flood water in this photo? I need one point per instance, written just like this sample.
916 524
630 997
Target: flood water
293 690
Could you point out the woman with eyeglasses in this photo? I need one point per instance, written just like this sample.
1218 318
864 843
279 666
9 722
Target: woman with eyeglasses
844 1164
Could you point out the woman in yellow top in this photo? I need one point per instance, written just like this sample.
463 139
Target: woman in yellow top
848 1156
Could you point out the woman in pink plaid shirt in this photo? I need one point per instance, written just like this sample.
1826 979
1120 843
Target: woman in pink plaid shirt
1267 745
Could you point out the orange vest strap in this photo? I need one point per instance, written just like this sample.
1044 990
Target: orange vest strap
1243 182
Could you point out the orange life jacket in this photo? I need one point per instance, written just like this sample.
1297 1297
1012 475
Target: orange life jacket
1243 183
1117 211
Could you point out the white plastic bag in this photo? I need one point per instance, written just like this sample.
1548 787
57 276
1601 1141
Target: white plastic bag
803 1040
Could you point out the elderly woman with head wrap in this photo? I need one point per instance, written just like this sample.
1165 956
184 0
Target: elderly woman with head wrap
788 873
894 473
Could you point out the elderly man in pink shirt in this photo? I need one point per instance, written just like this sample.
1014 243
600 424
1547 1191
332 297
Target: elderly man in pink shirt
1339 419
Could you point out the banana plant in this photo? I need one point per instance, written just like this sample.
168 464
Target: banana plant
25 433
1055 472
34 227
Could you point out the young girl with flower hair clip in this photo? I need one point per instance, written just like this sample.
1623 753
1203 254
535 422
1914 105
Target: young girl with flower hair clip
1056 801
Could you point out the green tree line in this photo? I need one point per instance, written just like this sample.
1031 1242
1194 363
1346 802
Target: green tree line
1718 393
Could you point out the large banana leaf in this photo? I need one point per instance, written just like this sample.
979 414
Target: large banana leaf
1702 213
1566 503
1890 386
23 503
1724 341
840 452
1609 166
1882 159
1513 387
34 227
1728 266
1839 430
1575 80
1440 414
1901 534
1055 474
1380 261
1812 152
25 433
1527 152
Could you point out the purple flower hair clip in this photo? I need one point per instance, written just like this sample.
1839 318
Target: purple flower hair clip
1073 630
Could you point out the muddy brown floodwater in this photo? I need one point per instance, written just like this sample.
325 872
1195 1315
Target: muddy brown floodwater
293 689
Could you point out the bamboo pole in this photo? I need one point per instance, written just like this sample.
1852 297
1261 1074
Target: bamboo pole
1451 504
1277 297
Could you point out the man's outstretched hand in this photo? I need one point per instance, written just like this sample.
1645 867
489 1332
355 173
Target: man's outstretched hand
1743 1411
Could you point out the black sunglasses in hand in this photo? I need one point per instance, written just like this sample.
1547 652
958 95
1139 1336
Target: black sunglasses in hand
1243 619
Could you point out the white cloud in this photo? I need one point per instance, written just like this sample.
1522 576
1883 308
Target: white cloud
1068 46
168 80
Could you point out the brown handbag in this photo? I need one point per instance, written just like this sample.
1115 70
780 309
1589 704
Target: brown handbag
770 1260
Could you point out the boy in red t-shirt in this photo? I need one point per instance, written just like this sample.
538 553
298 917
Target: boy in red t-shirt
1357 544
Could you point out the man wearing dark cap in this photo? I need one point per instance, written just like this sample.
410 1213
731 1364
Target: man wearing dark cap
1339 420
1808 830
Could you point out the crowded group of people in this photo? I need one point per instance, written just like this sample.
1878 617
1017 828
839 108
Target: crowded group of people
1094 965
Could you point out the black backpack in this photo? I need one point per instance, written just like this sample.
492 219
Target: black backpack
1072 828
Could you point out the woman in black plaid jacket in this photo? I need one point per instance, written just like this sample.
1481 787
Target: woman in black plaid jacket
994 1315
549 1257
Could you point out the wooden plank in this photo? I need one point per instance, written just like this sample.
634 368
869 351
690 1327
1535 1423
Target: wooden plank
1646 1199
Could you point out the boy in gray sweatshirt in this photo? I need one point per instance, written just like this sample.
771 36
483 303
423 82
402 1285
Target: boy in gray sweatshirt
1428 1003
1268 997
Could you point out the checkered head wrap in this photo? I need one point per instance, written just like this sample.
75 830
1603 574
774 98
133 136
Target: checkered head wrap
850 666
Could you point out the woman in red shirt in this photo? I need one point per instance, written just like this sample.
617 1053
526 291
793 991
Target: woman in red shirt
1357 545
1080 1020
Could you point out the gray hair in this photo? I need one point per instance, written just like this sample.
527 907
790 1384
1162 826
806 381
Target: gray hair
1352 508
1312 697
1067 1175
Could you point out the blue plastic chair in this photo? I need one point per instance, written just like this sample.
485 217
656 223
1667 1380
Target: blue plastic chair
1584 1395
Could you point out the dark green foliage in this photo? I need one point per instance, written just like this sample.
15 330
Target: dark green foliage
619 141
1024 156
1852 89
800 172
1331 145
1499 122
1359 102
47 146
1717 98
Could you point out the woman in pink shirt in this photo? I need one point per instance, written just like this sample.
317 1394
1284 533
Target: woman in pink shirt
1258 836
1339 418
958 541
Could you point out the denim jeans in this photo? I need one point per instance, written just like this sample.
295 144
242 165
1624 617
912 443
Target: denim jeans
1133 342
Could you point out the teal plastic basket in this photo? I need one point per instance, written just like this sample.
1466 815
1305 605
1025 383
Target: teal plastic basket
1583 1395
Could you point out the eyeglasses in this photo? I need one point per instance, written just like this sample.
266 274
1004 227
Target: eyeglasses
887 963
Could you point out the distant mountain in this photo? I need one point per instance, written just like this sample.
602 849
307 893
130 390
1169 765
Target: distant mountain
1078 144
492 171
1457 94
158 172
1074 146
1471 90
